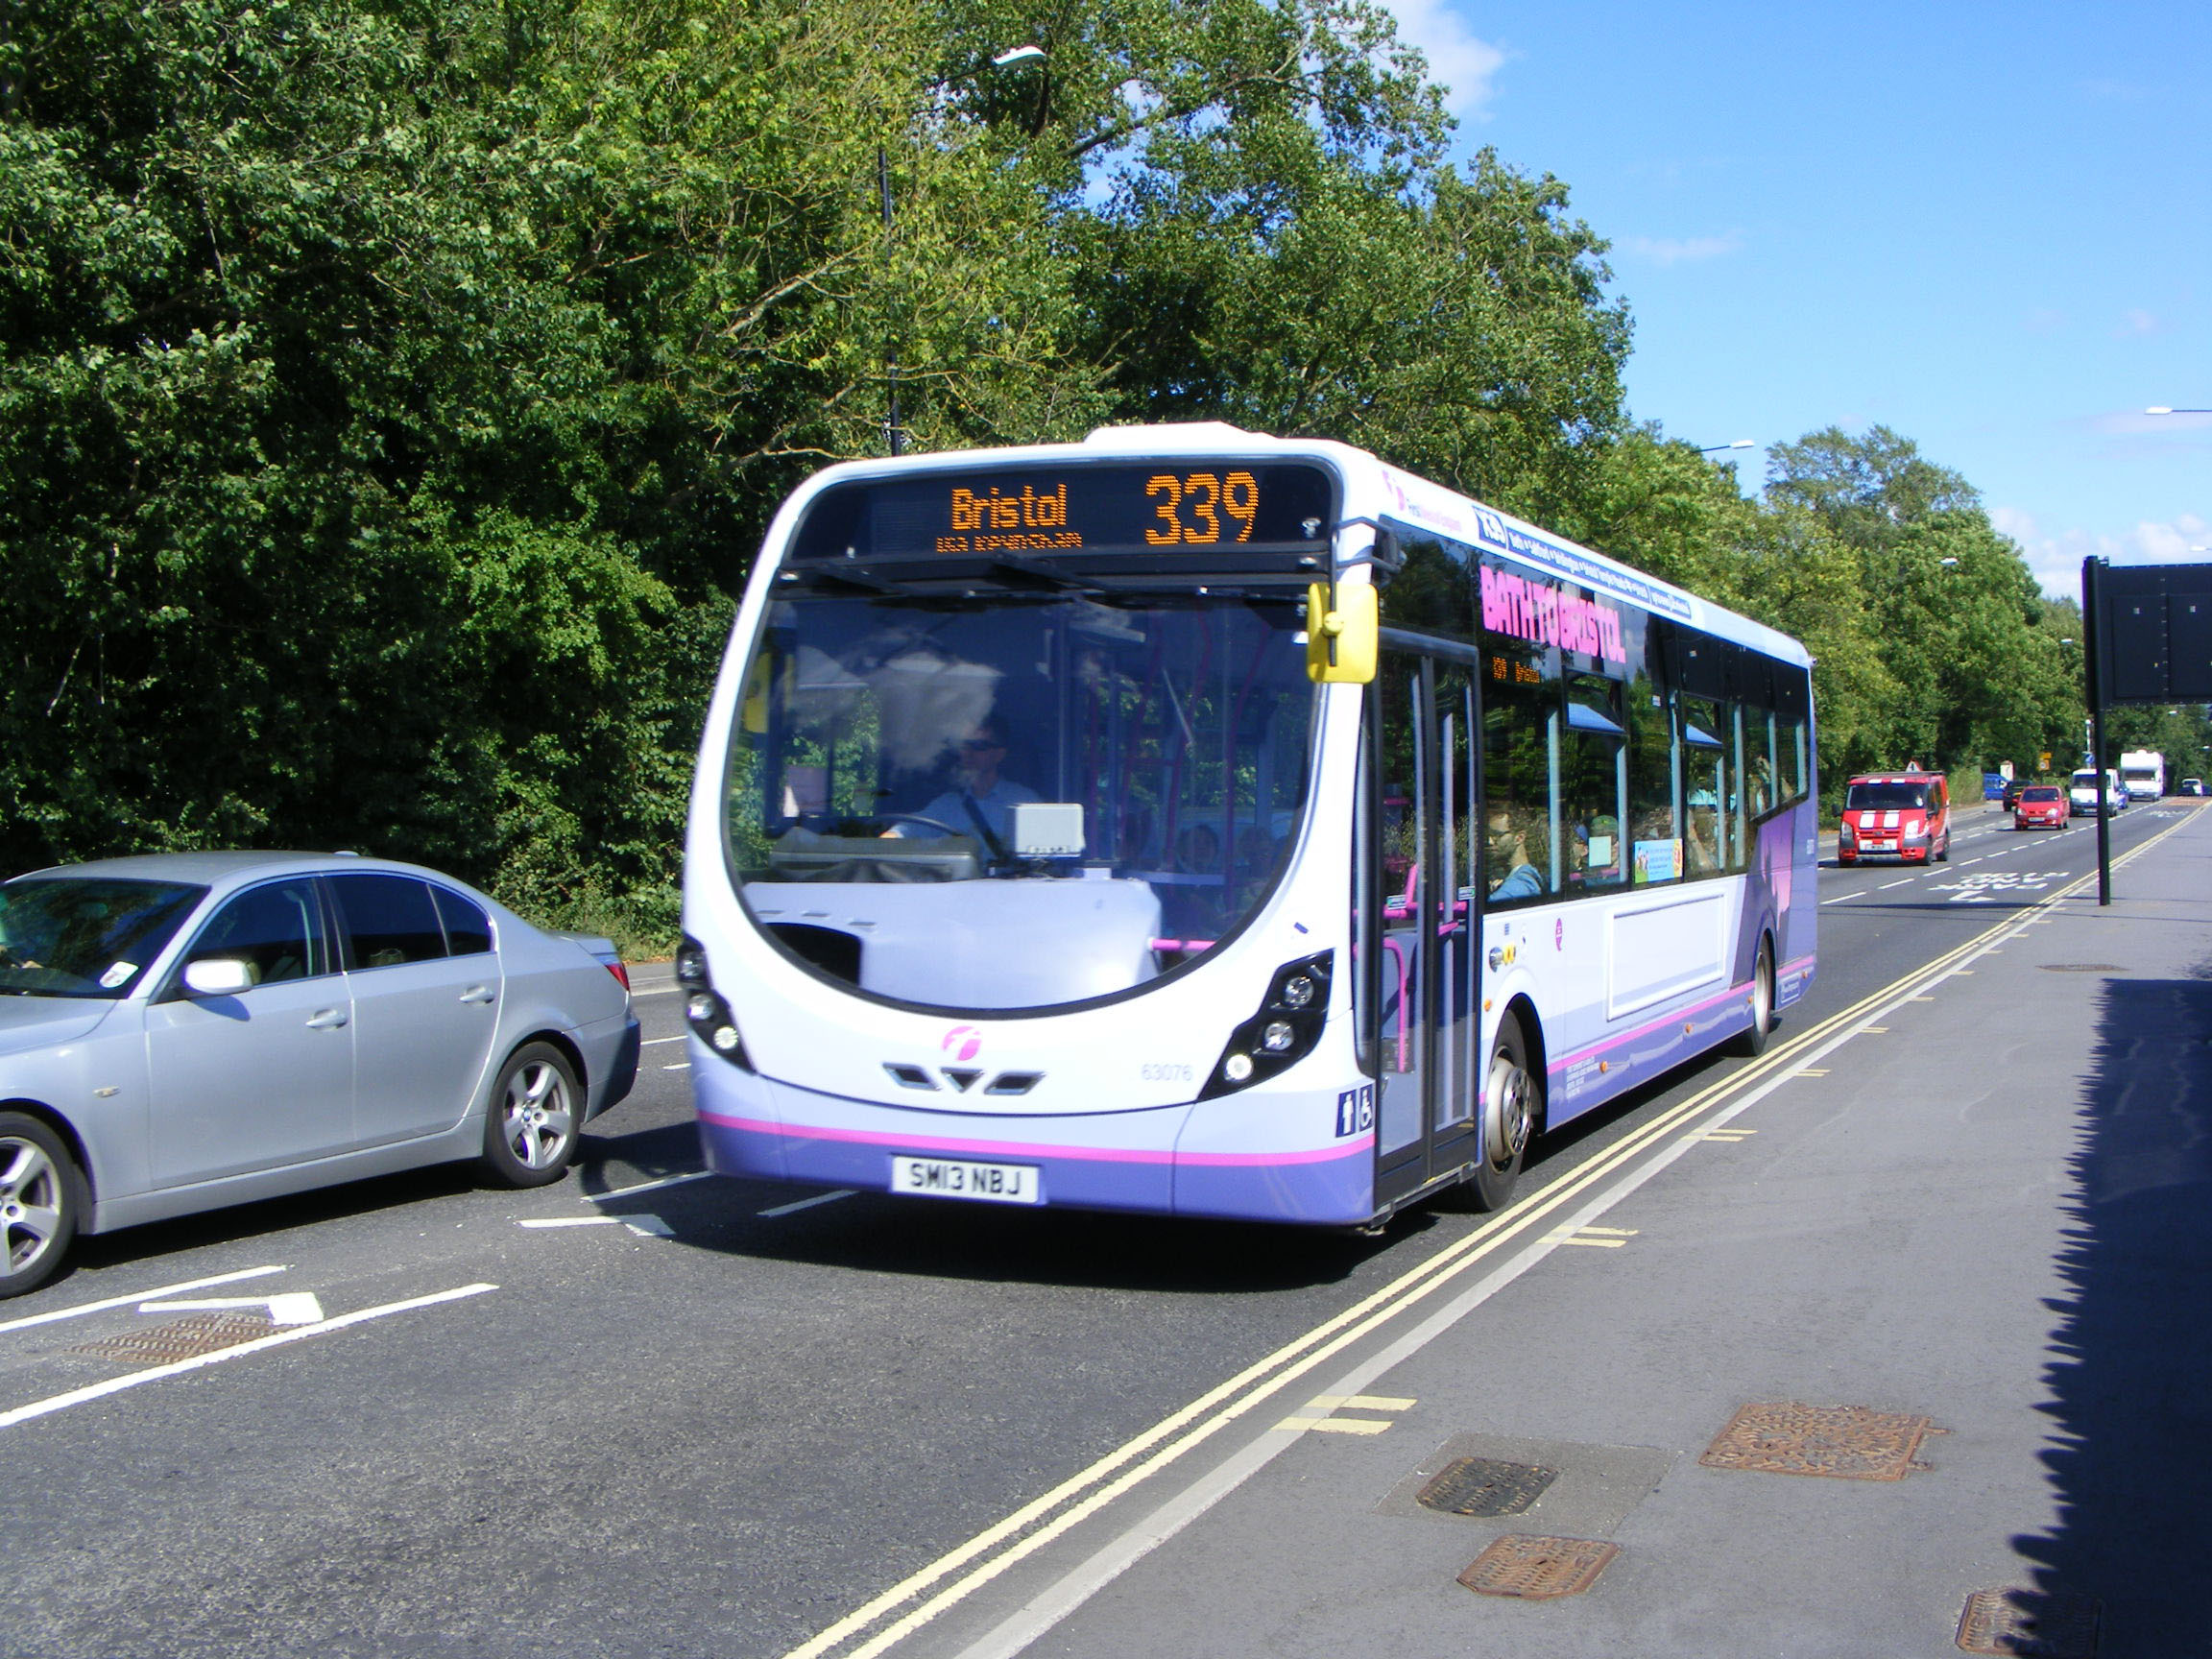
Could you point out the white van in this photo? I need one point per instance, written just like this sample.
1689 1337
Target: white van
2081 793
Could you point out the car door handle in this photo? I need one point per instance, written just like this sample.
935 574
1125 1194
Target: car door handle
327 1019
478 994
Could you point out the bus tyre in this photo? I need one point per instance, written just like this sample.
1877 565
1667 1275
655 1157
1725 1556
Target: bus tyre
1512 1106
39 1203
536 1113
1753 1043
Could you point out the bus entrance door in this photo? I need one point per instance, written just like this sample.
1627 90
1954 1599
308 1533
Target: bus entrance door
1418 878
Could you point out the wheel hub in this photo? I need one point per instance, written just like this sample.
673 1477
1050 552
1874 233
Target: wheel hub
1506 1133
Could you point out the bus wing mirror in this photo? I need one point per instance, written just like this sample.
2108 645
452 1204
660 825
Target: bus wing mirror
1341 640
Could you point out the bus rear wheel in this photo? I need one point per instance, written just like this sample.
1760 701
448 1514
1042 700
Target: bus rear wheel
1753 1043
1512 1105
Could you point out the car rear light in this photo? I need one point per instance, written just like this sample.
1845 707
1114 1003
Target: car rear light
621 973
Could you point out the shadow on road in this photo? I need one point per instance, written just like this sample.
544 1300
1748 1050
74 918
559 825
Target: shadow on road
2131 1383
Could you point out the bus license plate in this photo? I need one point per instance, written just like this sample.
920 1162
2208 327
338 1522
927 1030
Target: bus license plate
951 1178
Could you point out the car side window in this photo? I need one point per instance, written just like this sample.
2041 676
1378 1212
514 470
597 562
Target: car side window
388 920
276 930
468 929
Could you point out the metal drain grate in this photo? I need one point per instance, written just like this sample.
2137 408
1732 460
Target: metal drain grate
187 1339
2081 966
2031 1624
1849 1442
1537 1569
1484 1487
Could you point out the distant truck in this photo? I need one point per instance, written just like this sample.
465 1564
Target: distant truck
2143 771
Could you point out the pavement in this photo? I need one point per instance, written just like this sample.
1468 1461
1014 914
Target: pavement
1955 1268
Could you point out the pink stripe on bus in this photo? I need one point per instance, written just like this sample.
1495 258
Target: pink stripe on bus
1024 1149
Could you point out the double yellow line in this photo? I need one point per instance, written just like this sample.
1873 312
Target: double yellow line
978 1561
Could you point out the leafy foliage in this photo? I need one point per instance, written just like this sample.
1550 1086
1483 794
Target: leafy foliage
391 394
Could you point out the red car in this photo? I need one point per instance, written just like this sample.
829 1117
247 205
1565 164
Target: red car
2041 805
1895 814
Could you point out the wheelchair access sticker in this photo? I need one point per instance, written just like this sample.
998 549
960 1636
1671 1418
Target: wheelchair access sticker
1355 1110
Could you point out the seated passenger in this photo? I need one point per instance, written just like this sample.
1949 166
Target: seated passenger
1511 868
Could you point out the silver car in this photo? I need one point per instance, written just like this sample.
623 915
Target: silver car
188 1030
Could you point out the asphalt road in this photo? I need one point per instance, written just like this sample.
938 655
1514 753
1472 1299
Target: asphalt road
707 1418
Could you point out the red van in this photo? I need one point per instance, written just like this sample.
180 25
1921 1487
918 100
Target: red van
1895 814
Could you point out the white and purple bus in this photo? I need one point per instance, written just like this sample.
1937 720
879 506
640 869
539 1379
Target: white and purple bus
1201 823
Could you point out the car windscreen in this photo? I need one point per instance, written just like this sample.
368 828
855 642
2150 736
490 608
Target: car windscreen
86 936
2048 792
1885 796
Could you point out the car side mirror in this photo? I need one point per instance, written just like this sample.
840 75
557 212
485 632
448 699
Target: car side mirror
218 977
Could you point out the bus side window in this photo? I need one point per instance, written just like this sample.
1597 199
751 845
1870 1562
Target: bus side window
1705 785
1521 746
1654 840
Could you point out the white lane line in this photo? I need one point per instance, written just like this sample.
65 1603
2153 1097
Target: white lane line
1897 883
200 1361
139 1296
648 1226
573 1222
653 1186
680 1065
650 1041
292 1307
1839 897
809 1203
656 991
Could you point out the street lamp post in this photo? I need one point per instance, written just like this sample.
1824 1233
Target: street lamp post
1716 448
894 432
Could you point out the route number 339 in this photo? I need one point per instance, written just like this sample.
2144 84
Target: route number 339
1190 508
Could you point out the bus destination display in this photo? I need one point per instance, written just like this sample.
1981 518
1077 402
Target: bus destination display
1187 505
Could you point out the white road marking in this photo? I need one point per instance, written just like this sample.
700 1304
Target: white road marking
1840 897
292 1308
1362 1402
648 1226
809 1203
200 1361
573 1222
653 1186
656 991
102 1307
680 1065
1890 884
650 1041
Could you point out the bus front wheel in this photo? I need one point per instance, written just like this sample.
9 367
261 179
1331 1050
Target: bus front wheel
1512 1106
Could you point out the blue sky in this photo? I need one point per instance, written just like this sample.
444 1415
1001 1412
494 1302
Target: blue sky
1988 226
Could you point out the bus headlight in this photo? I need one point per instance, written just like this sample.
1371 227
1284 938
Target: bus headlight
704 1009
1288 1023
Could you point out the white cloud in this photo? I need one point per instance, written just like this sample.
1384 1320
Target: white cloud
1677 249
1461 62
2056 559
2135 321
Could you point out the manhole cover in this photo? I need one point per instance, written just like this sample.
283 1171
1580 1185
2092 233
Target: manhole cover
1538 1569
187 1339
1481 1487
2081 966
1783 1437
2029 1623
